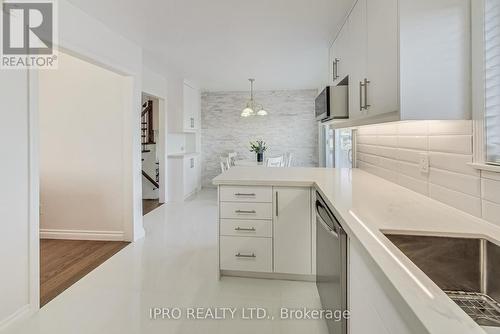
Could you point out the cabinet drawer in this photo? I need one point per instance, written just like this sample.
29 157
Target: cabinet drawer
248 228
246 254
236 210
246 194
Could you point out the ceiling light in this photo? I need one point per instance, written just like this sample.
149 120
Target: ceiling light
262 112
252 105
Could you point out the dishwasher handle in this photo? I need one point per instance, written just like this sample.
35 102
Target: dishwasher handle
321 210
326 227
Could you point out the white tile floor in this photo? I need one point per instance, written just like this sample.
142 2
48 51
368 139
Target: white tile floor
174 266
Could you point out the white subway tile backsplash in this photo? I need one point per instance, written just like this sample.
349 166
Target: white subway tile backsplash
409 155
491 190
391 141
490 175
394 153
369 158
369 149
453 162
369 140
379 171
389 164
370 130
418 186
464 202
467 184
491 211
413 142
458 127
387 129
387 174
412 170
388 152
413 128
461 144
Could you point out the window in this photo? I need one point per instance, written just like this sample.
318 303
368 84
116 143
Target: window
491 52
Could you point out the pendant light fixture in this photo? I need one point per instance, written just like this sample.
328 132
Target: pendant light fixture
252 106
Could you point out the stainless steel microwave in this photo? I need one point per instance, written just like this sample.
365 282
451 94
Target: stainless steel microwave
332 103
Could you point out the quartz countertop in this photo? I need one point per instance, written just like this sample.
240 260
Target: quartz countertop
367 206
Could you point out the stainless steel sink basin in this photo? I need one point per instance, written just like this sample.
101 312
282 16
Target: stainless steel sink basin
467 270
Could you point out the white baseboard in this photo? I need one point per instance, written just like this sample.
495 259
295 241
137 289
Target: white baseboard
81 235
20 314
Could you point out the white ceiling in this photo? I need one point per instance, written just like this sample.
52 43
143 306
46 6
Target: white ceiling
218 44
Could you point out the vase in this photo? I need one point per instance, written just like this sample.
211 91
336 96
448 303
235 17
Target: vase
260 156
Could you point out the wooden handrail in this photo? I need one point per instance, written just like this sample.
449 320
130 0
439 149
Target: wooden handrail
150 179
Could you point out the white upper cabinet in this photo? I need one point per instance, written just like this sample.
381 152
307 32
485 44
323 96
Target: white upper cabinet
191 108
407 60
340 55
382 57
357 71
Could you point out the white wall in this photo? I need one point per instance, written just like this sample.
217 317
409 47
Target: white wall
14 194
81 34
81 151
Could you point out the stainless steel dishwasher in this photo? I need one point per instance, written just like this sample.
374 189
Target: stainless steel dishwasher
331 265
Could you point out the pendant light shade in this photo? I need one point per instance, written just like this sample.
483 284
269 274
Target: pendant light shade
262 112
252 105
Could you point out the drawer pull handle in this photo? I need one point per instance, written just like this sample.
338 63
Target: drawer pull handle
241 194
246 255
252 229
245 211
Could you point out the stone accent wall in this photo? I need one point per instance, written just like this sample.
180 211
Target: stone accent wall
289 127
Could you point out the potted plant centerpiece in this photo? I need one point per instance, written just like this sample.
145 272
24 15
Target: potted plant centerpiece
259 147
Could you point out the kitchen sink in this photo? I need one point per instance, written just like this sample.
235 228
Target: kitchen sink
467 270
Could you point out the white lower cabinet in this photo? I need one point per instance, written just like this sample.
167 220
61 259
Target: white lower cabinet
183 177
373 301
246 228
292 230
246 254
265 229
241 210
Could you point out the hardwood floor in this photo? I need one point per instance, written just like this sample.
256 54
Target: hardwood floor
149 205
64 262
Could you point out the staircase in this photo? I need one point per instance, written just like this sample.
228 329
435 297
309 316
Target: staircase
147 131
148 138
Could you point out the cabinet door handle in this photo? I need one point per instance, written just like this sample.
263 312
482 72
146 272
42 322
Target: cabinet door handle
192 122
245 255
277 204
334 70
252 229
248 195
337 61
366 94
361 85
245 211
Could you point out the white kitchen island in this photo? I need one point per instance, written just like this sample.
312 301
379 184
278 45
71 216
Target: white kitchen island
387 292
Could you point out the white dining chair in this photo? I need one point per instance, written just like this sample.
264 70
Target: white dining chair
232 158
275 162
224 163
288 159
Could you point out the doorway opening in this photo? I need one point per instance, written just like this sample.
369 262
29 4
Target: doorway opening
81 168
150 153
